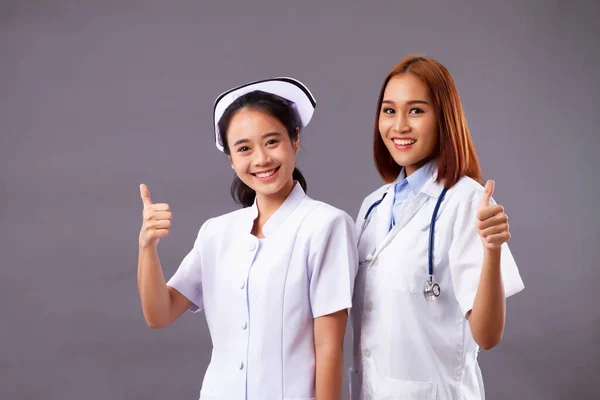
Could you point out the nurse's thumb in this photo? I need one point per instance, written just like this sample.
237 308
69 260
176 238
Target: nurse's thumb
145 194
488 191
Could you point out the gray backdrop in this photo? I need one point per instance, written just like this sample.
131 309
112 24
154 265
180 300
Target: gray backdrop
96 97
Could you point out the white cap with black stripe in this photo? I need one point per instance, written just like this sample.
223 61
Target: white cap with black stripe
288 88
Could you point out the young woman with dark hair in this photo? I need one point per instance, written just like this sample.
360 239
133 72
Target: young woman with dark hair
274 278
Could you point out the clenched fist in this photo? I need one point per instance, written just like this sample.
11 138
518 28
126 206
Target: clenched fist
156 219
492 222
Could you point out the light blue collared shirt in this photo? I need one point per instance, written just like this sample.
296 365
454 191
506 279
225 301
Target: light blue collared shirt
405 187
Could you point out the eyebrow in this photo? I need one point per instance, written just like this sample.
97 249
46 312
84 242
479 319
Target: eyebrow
265 136
408 102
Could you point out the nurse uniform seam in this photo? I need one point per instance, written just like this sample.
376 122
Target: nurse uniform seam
283 373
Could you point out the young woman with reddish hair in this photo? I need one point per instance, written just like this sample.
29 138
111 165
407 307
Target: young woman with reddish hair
435 268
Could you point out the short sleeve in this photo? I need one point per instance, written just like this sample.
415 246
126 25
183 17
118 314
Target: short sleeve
360 217
187 280
333 264
466 257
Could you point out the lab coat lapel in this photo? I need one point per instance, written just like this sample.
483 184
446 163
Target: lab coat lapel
409 210
381 218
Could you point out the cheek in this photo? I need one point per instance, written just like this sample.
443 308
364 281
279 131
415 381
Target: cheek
289 157
383 126
429 128
286 158
238 163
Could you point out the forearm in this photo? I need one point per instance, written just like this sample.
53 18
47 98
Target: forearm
154 295
489 308
329 376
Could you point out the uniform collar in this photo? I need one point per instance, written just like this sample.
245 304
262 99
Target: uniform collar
416 180
284 211
423 180
433 188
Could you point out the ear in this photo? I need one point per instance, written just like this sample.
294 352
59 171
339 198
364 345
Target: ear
231 162
296 142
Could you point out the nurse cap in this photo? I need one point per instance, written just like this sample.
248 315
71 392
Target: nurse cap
288 88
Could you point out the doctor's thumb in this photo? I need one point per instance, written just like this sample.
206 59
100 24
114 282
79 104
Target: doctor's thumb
488 191
145 195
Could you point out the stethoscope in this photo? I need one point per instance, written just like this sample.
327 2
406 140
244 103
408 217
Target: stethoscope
431 290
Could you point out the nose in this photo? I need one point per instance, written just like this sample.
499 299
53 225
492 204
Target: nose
262 156
400 123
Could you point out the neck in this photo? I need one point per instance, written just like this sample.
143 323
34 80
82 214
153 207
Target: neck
410 169
267 204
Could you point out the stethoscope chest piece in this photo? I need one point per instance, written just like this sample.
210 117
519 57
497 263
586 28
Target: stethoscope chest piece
431 290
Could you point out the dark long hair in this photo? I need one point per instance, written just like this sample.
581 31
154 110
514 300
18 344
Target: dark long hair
278 108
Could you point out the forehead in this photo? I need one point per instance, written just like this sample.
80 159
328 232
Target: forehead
406 87
248 123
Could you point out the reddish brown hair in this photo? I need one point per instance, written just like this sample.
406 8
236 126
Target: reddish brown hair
455 151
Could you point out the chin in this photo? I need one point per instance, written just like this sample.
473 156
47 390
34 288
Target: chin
402 161
267 188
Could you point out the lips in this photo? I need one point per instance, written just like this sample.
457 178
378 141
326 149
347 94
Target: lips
267 174
403 143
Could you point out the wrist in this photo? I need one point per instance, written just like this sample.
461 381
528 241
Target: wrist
492 254
147 245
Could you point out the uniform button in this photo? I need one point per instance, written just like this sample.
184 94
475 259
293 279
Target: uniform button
369 307
367 353
251 245
241 365
244 325
243 284
367 397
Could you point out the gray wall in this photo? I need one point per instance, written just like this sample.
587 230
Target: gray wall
96 97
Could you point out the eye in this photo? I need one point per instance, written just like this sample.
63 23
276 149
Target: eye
271 142
243 149
415 110
388 111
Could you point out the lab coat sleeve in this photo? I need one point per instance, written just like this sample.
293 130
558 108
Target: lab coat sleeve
187 280
466 256
333 264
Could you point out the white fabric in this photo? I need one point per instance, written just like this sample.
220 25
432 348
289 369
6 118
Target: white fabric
261 296
404 346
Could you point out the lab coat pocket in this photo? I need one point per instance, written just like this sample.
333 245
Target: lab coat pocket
407 261
395 389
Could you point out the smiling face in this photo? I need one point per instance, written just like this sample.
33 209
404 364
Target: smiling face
261 152
407 122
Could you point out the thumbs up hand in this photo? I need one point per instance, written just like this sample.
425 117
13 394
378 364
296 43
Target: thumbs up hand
156 219
492 222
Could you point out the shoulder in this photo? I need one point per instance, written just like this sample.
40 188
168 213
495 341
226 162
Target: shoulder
323 213
374 196
217 225
325 226
377 193
466 189
232 216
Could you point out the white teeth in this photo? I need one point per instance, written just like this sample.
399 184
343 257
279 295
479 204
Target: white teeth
404 142
265 174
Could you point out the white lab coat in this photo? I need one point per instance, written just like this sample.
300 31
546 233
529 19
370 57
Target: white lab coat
404 346
260 296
